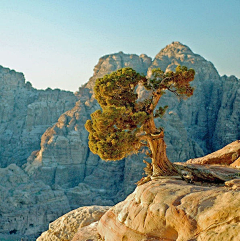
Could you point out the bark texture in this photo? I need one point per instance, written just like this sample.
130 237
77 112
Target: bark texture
160 163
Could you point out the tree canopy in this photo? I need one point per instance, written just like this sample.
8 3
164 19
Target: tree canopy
125 124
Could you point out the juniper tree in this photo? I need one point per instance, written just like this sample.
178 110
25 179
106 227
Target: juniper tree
125 124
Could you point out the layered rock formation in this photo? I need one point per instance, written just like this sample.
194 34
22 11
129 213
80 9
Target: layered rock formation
228 155
163 209
65 160
204 123
65 227
173 210
113 62
27 206
25 113
189 125
209 106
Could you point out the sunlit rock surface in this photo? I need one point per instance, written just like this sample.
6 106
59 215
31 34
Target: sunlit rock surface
173 210
65 227
228 155
25 113
112 62
44 130
163 209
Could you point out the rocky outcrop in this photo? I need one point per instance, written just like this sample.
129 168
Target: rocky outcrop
176 53
45 129
225 156
167 209
63 151
189 125
65 160
113 62
209 106
25 113
26 206
87 233
163 209
65 227
227 118
206 173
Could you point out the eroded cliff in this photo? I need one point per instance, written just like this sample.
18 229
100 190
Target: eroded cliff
44 130
25 114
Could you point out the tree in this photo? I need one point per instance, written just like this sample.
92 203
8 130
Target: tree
126 124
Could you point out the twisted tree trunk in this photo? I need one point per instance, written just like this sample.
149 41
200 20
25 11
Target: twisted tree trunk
160 162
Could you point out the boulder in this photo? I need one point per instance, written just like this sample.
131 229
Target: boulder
65 227
50 125
87 233
225 156
168 209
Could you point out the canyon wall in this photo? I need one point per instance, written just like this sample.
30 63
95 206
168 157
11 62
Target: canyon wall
25 114
44 130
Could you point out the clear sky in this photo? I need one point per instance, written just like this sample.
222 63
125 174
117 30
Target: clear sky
57 43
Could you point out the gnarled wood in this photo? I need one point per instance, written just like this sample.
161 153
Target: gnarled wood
206 173
160 162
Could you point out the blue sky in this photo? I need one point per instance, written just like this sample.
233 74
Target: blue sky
57 43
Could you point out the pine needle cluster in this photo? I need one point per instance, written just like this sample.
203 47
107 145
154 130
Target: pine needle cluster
116 130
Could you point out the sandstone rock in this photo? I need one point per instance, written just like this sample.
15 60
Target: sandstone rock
166 209
206 116
26 207
87 233
236 163
65 227
234 184
226 126
133 172
225 156
176 53
204 123
113 62
65 160
64 150
179 145
25 113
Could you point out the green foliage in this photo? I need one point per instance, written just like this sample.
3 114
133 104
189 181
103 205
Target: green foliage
112 131
160 111
177 82
118 88
115 131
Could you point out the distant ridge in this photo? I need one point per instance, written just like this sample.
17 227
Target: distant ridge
44 130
